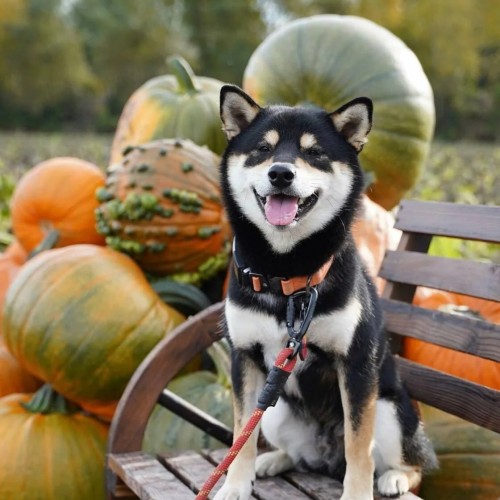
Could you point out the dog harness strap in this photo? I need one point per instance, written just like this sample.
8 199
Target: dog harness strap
283 366
287 286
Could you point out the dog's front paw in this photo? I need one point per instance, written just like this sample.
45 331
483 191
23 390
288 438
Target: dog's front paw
272 463
241 491
393 483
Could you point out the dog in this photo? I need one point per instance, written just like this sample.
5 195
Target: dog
292 183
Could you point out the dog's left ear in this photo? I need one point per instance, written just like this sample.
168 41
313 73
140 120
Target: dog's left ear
237 110
354 121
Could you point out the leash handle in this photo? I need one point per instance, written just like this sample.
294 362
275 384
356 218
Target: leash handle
275 383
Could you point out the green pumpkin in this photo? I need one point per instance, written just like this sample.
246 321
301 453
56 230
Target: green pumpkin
329 60
172 106
209 392
469 459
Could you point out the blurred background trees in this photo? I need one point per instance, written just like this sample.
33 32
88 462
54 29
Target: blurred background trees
71 64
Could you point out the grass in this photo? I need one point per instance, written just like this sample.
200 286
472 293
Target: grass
456 172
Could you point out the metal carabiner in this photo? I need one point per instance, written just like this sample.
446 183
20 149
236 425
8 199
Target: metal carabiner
312 295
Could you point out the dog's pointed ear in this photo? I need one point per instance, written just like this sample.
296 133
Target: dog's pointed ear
354 121
237 110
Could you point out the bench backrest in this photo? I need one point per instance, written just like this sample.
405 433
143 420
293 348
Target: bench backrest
410 266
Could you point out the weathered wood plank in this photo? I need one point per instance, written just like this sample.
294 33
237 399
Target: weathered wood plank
191 468
477 279
469 222
472 336
409 242
269 488
472 402
147 478
195 416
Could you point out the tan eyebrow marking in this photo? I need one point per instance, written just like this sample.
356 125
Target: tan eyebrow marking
272 137
307 141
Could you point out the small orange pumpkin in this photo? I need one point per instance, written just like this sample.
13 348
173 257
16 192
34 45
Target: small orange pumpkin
459 364
10 264
57 194
16 252
13 379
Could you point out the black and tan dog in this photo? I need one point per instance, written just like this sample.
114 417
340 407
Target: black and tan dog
292 183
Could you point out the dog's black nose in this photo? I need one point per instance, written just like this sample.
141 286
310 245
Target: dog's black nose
281 175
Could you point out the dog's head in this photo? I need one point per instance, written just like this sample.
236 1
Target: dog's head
291 171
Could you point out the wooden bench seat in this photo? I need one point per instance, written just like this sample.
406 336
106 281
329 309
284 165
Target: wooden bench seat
179 476
133 474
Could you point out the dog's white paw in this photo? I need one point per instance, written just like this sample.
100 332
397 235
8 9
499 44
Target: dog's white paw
241 491
350 497
272 463
393 483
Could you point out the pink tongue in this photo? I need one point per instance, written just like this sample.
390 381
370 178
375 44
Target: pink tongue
281 210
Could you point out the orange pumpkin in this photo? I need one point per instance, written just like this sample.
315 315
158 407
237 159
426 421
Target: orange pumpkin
16 252
57 194
13 379
473 368
374 234
10 264
162 206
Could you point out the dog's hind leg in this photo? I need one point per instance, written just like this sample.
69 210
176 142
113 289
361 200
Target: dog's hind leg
248 381
273 463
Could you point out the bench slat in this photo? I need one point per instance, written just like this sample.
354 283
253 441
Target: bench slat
191 468
147 478
454 395
477 279
269 488
195 416
470 222
472 336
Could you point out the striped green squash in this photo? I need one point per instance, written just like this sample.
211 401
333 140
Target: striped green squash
329 60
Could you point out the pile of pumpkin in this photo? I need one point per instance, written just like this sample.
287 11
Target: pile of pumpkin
104 266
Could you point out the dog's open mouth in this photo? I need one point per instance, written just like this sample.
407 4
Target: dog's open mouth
282 210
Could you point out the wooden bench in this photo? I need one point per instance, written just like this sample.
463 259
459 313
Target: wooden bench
131 473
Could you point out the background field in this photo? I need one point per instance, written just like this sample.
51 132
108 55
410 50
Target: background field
463 172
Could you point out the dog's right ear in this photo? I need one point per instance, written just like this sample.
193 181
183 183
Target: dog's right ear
237 110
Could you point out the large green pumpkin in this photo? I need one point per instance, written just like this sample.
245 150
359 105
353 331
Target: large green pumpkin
469 459
329 60
172 106
82 318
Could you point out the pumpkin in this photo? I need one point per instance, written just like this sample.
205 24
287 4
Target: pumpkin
57 195
179 105
374 234
210 392
328 60
459 364
13 378
161 205
469 459
10 264
16 252
82 318
48 452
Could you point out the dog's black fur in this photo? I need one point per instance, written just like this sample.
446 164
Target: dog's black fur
368 365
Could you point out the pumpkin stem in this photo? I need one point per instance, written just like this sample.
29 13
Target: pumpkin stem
47 243
220 354
46 401
184 74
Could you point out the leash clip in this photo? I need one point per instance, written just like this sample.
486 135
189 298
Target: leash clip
296 336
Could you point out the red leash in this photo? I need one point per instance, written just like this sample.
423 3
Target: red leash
283 366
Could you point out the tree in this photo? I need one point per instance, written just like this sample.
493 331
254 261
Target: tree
127 41
41 58
226 33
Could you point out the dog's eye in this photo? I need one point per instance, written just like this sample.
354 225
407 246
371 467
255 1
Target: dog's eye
264 148
314 152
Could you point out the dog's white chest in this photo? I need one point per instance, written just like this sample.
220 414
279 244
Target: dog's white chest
331 332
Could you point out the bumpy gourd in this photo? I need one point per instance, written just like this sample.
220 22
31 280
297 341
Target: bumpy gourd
161 205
